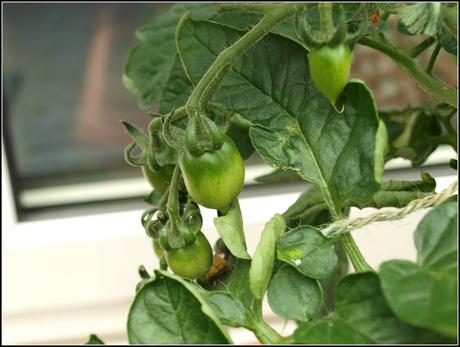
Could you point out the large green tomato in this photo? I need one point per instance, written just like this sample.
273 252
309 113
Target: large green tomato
159 179
330 69
192 261
213 179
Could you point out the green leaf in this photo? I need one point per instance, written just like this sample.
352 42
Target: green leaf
240 136
400 193
420 18
94 340
425 294
230 228
152 60
427 184
361 317
325 147
229 310
137 135
449 14
381 148
176 90
153 198
403 29
233 294
306 249
297 128
329 283
309 209
306 202
147 68
170 310
412 134
294 296
447 40
279 175
264 256
391 7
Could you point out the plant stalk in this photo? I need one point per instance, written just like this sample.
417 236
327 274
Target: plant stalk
266 334
351 248
356 257
173 200
433 86
213 75
417 50
433 57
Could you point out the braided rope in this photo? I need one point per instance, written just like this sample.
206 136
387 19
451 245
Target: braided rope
432 200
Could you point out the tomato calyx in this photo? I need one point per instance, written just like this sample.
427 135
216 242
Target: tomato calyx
331 32
202 135
156 158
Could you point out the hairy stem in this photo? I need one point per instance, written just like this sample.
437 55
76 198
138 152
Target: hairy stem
433 57
351 248
356 257
173 200
433 86
214 74
325 18
266 334
417 50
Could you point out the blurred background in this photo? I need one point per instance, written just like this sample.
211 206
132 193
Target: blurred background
71 206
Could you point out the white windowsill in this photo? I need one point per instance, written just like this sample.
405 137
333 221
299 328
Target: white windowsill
66 278
134 187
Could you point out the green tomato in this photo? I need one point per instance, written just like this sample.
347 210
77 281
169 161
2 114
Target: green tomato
213 179
329 69
192 261
157 248
159 179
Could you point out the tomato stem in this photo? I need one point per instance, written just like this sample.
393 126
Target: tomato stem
325 19
417 50
433 57
266 334
263 331
356 257
426 81
351 248
214 75
173 201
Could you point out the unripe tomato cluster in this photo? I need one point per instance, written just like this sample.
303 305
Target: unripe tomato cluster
213 179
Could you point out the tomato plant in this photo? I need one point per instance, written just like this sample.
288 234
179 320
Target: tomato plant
238 79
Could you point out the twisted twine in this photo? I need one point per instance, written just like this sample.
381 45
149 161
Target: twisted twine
432 200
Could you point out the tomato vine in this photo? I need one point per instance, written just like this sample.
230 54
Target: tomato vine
270 78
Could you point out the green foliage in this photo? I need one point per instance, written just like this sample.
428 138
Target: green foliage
414 133
230 228
306 249
259 91
94 340
433 304
294 296
362 316
448 40
264 256
170 311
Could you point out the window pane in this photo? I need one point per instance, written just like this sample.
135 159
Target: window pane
64 94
